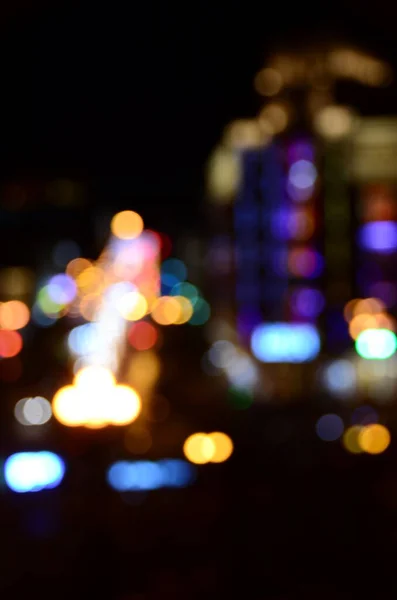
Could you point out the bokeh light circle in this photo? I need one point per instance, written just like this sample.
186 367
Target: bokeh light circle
126 225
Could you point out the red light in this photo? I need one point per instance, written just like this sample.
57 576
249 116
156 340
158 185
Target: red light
142 335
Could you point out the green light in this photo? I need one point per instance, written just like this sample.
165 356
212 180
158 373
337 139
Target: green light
376 344
46 304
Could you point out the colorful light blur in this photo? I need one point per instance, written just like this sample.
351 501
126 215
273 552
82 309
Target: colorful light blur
14 314
376 344
142 336
379 236
126 225
285 342
134 476
95 400
374 439
33 471
10 343
202 448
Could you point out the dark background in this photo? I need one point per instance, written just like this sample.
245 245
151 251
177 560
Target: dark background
130 98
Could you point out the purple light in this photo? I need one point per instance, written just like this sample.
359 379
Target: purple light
301 149
62 289
379 236
385 291
302 174
307 302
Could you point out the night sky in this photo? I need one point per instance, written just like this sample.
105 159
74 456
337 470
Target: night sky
141 92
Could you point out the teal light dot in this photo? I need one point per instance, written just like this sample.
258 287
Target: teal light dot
186 289
202 312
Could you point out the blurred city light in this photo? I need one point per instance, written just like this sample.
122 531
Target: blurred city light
133 476
379 236
201 448
14 314
376 344
329 427
33 411
374 439
285 342
33 471
94 400
127 225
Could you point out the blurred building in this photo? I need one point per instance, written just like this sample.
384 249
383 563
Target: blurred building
302 205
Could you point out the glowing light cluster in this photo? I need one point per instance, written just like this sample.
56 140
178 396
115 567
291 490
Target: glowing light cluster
33 471
365 436
144 475
95 400
371 328
202 448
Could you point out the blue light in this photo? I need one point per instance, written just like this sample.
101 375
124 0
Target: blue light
379 236
33 471
175 268
84 339
285 342
147 475
329 427
307 302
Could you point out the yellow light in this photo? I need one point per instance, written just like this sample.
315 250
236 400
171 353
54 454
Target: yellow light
126 225
91 280
244 133
199 448
186 310
94 377
94 400
14 315
350 439
223 175
374 439
132 306
66 407
223 446
334 122
166 310
124 405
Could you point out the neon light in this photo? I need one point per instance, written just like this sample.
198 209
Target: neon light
33 471
285 342
376 344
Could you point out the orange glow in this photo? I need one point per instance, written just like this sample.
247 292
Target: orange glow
370 306
77 266
143 370
94 400
142 336
199 448
14 315
185 308
132 306
273 118
360 323
268 82
166 310
127 225
349 308
89 306
10 343
91 280
223 446
374 439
